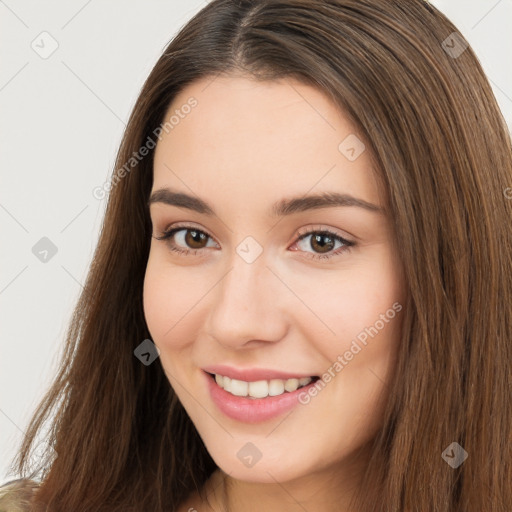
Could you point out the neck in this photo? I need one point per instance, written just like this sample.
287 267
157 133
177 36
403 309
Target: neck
326 490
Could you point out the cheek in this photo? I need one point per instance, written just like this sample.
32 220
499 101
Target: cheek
162 312
367 322
154 299
163 304
172 303
364 305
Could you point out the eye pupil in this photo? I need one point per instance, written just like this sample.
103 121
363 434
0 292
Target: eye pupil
193 236
325 247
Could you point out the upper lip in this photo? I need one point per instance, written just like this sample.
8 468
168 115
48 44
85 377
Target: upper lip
252 374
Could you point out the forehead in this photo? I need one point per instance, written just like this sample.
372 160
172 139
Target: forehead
250 140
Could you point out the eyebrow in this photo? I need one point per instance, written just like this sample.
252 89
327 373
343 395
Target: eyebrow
279 209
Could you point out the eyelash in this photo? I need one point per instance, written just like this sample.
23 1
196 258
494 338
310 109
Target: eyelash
167 235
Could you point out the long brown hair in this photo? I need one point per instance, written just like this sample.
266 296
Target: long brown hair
444 153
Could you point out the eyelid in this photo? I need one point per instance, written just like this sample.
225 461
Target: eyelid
307 230
185 225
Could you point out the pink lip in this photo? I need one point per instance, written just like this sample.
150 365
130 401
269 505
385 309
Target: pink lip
252 374
252 410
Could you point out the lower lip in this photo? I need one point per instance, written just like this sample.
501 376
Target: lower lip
253 410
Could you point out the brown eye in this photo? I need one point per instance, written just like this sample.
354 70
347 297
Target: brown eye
323 243
184 239
189 239
195 238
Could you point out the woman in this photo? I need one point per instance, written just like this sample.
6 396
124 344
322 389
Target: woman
300 298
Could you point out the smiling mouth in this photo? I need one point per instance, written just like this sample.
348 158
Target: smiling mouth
261 388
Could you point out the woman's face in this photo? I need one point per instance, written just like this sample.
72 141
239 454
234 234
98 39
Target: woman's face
261 294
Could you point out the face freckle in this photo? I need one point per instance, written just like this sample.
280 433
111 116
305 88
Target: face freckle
251 296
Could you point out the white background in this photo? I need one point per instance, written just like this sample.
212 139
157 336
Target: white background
62 120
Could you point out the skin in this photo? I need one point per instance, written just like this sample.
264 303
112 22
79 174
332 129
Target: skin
246 145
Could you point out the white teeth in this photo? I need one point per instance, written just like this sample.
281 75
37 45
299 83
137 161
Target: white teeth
260 388
291 385
239 387
304 381
276 387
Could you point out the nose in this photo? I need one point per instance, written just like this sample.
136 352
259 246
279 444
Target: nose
249 307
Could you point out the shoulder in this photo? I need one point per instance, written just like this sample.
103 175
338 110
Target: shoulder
16 495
